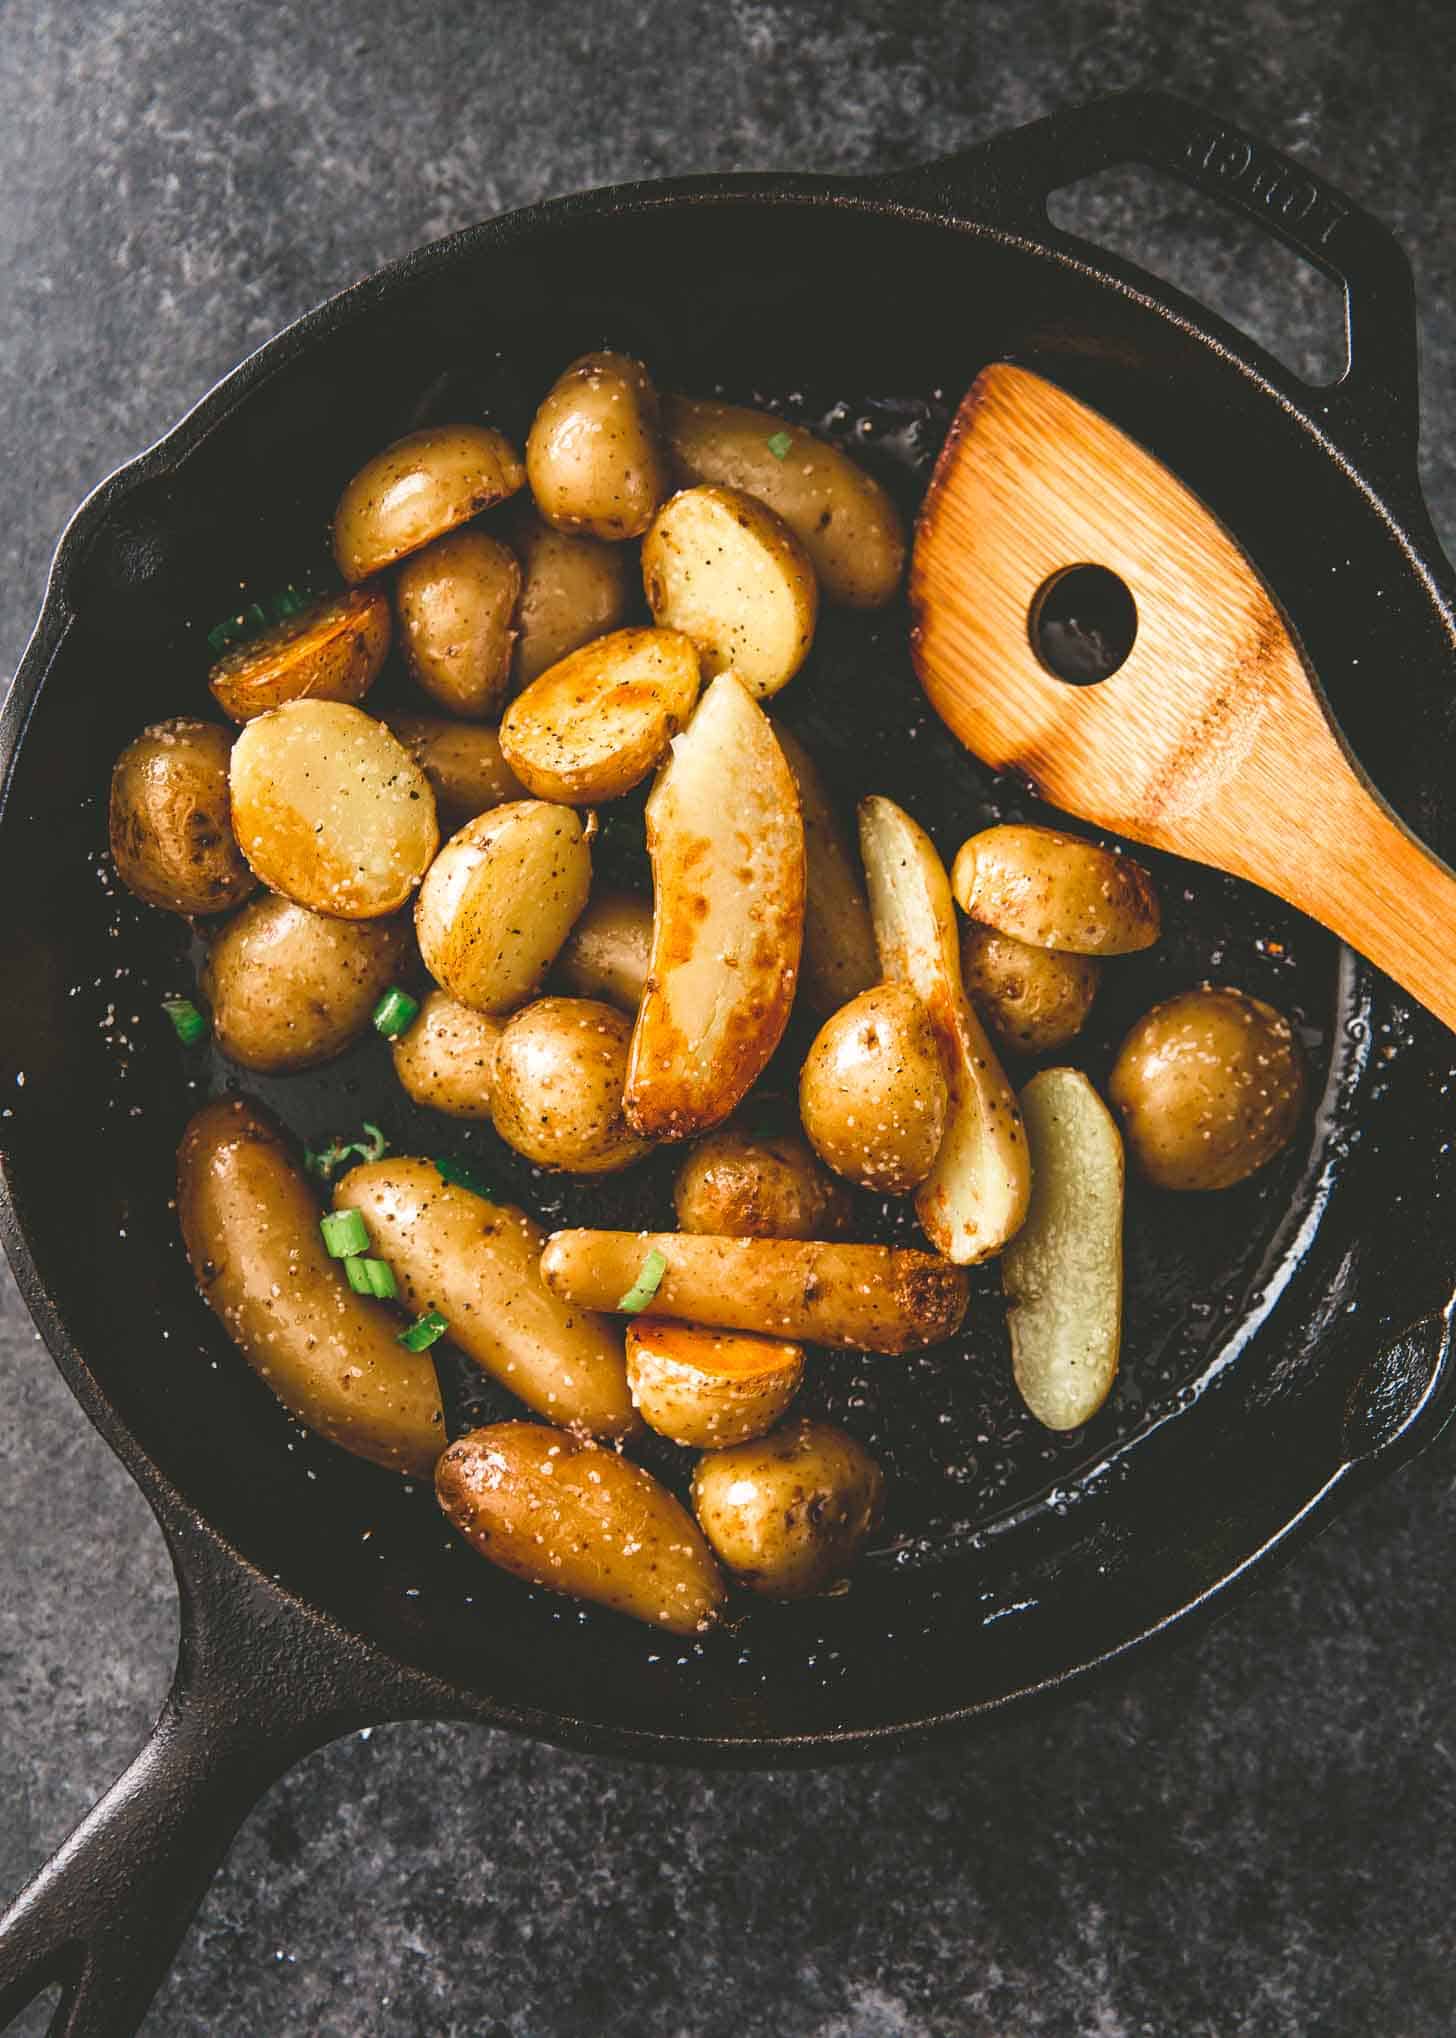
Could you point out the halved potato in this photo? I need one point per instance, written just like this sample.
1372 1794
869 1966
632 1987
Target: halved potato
170 819
330 651
417 489
463 762
499 901
456 599
607 951
594 457
974 1198
574 588
736 1186
724 569
839 938
1056 891
290 989
591 727
558 1086
446 1059
709 1388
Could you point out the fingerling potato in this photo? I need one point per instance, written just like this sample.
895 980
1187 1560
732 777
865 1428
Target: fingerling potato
419 488
735 1186
593 726
446 1059
171 819
594 457
721 567
456 601
330 651
606 952
1056 891
290 989
573 589
788 1514
1033 1000
559 1070
500 899
839 958
872 1093
709 1388
463 762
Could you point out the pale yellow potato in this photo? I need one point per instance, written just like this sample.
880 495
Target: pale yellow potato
1033 1000
456 602
330 651
559 1071
1056 891
974 1198
251 1228
607 951
842 517
788 1514
289 988
445 1060
721 567
736 1186
416 490
709 1388
727 847
1209 1087
574 589
171 819
839 958
478 1264
1062 1272
594 456
578 1519
872 1093
463 762
330 809
873 1298
594 725
499 901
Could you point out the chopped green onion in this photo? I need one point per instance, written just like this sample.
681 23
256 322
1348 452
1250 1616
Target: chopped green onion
329 1159
647 1283
371 1277
395 1011
780 445
424 1331
462 1175
288 602
233 629
345 1233
188 1023
357 1270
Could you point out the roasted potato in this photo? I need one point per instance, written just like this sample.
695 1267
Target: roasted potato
463 762
709 1388
478 1264
788 1514
727 848
171 819
1056 891
577 1519
839 959
330 651
251 1228
593 726
594 457
499 901
559 1070
874 1298
872 1093
721 567
573 589
416 490
456 601
290 988
446 1059
1209 1087
735 1186
331 810
1033 1000
841 516
606 952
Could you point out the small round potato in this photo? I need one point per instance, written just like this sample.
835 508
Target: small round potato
1209 1087
573 589
594 725
789 1513
331 810
721 567
559 1072
423 485
709 1388
446 1059
606 952
171 819
1033 1000
462 761
595 458
290 988
734 1186
500 899
330 651
872 1094
1056 891
456 601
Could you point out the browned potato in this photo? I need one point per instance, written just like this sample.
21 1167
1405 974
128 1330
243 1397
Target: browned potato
331 810
330 651
463 762
171 819
1209 1087
735 1186
873 1094
1056 891
251 1228
446 1059
595 458
873 1298
580 1520
559 1071
839 958
789 1513
290 988
709 1388
593 726
499 901
574 589
456 600
606 952
423 485
1033 1000
724 569
478 1264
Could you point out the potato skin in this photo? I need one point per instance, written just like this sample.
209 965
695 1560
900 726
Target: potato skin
789 1514
721 567
251 1228
446 1059
1033 1000
574 588
417 489
171 819
592 726
1056 891
456 601
1209 1086
574 1518
330 651
606 952
559 1070
500 899
735 1186
839 959
872 1093
463 762
594 456
290 989
707 1389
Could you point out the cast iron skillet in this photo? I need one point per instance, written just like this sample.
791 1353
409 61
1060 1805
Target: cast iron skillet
1286 1341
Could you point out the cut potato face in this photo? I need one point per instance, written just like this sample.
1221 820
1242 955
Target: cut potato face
463 762
974 1198
290 989
839 939
446 1059
456 601
1033 1000
171 819
789 1514
1056 891
574 588
709 1388
422 486
736 1186
607 951
872 1093
731 575
330 651
592 727
595 458
499 901
559 1072
1063 1271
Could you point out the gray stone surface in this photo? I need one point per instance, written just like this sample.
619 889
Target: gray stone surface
1254 1838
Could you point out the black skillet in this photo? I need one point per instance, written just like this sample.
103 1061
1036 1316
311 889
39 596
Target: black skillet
1286 1341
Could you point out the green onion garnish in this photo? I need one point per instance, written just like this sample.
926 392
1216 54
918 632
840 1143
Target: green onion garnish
329 1159
646 1285
188 1023
423 1332
234 629
345 1233
371 1277
395 1011
462 1175
780 445
288 602
355 1267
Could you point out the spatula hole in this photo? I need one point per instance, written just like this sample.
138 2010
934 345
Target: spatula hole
1082 624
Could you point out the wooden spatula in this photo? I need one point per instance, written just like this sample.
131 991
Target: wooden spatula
1211 738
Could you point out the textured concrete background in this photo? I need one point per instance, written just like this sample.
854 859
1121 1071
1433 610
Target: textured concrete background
1256 1836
